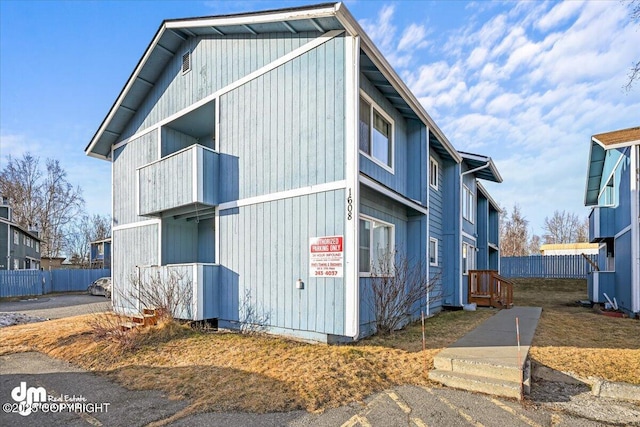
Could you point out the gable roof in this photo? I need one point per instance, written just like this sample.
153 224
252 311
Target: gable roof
618 138
321 18
486 169
600 143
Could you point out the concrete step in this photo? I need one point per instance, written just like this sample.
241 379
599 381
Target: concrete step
477 383
127 326
507 372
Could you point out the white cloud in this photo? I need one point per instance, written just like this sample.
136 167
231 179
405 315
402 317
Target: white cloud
413 38
558 15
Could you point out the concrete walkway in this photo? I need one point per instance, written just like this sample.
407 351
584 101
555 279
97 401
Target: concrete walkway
488 359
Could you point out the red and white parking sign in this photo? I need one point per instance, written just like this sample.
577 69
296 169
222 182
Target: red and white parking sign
326 256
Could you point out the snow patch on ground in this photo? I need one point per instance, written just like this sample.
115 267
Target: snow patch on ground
10 319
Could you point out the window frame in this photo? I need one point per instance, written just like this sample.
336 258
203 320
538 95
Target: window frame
468 253
392 238
468 204
374 107
434 166
435 242
16 237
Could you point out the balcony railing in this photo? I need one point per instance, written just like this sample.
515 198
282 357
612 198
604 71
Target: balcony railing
601 224
181 183
190 291
488 289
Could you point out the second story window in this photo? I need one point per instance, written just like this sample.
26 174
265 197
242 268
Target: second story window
468 204
433 173
16 237
376 133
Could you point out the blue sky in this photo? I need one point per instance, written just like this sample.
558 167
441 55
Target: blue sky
526 83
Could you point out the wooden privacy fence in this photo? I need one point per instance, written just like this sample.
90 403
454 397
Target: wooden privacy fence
17 283
549 266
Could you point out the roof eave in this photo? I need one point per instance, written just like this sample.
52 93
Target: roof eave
354 28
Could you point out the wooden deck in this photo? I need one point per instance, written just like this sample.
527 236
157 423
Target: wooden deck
488 289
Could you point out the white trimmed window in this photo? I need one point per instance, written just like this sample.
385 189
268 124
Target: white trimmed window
16 237
433 173
468 258
376 133
433 251
37 246
376 241
468 204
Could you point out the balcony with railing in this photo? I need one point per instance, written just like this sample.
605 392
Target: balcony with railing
182 183
488 289
601 223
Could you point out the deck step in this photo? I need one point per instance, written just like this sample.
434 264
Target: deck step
477 383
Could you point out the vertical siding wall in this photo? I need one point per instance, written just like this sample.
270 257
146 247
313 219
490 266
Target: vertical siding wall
216 62
438 214
286 128
282 131
264 250
127 159
136 246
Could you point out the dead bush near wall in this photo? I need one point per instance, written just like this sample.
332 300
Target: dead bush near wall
399 289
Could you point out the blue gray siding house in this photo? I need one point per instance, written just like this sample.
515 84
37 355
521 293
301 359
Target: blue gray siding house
100 253
612 190
19 247
271 159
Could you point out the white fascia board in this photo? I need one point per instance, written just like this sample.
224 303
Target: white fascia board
352 26
253 18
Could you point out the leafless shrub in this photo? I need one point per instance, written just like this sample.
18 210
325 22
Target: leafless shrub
107 326
252 319
399 289
168 291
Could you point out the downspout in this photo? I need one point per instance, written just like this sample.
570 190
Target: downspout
635 228
462 174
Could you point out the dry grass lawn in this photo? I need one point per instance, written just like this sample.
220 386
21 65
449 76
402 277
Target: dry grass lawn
227 371
571 338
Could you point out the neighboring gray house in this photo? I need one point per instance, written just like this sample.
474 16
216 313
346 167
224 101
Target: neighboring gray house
612 191
271 158
19 247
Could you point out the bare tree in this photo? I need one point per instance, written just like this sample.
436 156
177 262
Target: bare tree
582 235
399 288
534 245
46 200
565 227
514 235
634 71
